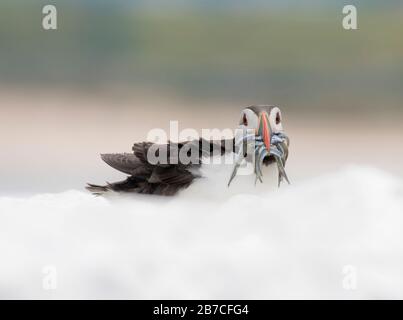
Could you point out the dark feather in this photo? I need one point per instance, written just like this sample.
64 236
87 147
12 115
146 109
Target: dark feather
125 162
161 178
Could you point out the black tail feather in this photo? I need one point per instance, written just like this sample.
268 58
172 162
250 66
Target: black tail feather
97 190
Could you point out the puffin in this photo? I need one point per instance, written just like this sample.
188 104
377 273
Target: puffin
252 161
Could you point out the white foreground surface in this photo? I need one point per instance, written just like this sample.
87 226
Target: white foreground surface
291 243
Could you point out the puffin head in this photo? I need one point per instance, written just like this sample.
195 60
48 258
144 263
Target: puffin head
264 120
271 143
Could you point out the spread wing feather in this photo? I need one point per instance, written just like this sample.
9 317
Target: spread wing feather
125 162
161 179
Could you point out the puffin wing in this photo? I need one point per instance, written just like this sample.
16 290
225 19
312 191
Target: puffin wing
161 179
125 162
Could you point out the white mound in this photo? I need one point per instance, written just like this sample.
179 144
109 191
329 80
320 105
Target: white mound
294 243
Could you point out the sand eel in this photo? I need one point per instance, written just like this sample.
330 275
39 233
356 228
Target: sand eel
263 146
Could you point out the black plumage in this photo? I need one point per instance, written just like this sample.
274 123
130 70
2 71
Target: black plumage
160 178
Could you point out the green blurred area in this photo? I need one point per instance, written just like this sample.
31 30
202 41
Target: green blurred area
300 58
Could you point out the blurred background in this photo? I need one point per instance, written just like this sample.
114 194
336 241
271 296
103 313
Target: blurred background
114 70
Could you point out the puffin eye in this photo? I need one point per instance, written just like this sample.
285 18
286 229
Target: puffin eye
244 120
278 118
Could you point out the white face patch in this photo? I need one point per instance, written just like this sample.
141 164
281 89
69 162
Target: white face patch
275 120
249 120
